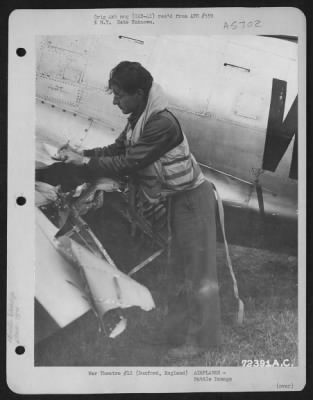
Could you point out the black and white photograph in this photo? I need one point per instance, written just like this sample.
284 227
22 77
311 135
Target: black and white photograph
162 176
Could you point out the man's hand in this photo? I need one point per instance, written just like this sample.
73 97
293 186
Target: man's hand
74 158
70 154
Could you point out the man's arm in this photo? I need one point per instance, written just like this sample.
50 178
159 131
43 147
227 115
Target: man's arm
161 134
118 147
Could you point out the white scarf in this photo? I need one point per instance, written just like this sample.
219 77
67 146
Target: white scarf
156 102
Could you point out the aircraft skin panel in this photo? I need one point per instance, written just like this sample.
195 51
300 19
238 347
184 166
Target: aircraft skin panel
242 194
65 126
242 100
218 144
266 46
110 287
62 300
54 126
292 86
73 71
193 70
206 58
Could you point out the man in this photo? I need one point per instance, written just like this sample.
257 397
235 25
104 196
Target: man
153 151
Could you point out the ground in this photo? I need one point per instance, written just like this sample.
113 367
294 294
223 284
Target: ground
267 272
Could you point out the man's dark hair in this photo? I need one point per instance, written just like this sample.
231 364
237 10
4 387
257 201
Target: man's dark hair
130 76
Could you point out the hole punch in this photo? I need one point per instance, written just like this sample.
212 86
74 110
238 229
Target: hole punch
21 52
21 200
19 350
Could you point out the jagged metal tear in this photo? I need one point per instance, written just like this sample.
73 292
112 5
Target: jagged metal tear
110 288
65 302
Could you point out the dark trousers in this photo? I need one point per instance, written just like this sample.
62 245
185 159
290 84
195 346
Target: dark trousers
193 301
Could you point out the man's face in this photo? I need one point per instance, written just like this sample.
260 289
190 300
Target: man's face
128 103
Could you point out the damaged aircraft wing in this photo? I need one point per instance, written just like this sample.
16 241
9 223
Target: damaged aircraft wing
71 279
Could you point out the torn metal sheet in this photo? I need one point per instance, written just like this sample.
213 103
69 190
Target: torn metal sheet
64 268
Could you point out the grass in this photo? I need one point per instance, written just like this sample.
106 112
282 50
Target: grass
268 286
267 283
